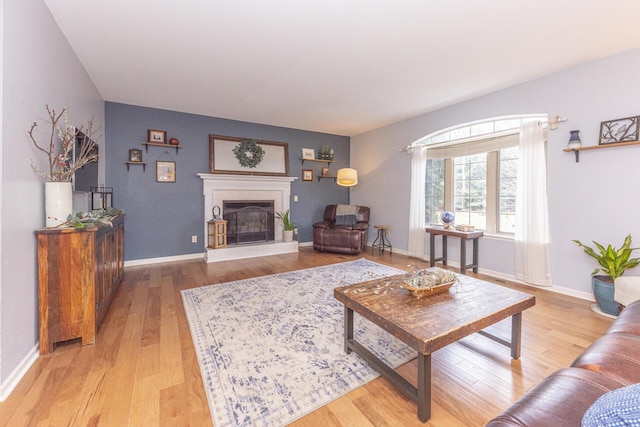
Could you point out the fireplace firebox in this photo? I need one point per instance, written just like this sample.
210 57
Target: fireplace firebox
249 221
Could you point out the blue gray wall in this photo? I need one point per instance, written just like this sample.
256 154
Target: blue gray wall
162 217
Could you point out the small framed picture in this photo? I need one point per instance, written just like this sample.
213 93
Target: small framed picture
135 155
308 153
620 130
157 136
325 171
165 171
307 174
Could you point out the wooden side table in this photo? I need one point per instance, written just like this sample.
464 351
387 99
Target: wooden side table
464 237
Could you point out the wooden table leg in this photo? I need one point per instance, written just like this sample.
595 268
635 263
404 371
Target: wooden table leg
444 250
348 328
424 387
463 256
516 335
432 250
475 255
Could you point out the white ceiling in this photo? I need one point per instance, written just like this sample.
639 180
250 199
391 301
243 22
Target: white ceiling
337 66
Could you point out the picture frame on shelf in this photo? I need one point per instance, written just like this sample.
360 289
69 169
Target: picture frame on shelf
157 136
325 171
307 174
135 155
165 171
308 154
619 130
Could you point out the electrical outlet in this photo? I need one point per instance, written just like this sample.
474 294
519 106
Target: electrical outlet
194 239
295 198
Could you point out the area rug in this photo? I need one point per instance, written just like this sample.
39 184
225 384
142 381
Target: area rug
271 348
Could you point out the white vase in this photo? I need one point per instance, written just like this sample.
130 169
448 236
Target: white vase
287 235
58 202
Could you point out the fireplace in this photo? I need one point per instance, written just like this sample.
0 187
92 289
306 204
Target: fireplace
218 188
248 221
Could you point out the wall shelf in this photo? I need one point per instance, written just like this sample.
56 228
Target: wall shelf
331 177
597 147
144 165
155 144
328 162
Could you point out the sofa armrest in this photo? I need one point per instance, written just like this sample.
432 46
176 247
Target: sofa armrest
362 226
626 290
321 224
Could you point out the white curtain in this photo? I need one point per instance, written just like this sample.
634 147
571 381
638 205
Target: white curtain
532 263
417 206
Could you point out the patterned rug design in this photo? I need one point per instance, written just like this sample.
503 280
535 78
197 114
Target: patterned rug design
271 348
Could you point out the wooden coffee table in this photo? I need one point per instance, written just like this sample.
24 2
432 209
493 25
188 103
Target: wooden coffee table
430 323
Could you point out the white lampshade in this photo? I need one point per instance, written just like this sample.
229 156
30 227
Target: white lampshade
347 177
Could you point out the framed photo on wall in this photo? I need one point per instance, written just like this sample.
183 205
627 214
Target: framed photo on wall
165 171
135 155
307 174
308 153
157 136
325 171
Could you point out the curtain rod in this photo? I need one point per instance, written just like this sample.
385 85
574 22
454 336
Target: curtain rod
552 122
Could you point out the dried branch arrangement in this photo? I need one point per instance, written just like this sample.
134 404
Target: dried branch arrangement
59 151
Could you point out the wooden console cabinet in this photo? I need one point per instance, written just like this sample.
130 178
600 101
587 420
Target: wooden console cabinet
79 271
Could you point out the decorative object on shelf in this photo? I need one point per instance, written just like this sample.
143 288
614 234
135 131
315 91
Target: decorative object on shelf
174 141
101 197
307 174
229 155
216 232
157 136
575 143
135 155
58 203
347 177
619 130
326 153
165 171
429 281
447 219
325 171
574 140
63 164
465 228
308 153
92 218
613 262
216 212
288 227
248 153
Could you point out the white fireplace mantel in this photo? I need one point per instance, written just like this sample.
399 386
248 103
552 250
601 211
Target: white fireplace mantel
219 187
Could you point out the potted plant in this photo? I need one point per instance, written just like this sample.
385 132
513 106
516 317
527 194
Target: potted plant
287 226
613 262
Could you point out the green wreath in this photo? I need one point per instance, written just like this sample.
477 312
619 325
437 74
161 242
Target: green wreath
248 153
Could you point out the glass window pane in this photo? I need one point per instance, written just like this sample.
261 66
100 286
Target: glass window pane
470 189
507 189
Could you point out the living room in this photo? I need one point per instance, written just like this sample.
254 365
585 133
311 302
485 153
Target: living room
40 67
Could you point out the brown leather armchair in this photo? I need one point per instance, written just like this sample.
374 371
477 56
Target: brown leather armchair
343 231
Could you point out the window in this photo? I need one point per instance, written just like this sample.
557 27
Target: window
472 170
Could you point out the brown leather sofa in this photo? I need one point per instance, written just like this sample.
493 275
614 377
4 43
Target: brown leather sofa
329 236
611 362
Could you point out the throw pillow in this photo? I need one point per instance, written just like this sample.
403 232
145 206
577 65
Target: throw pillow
617 408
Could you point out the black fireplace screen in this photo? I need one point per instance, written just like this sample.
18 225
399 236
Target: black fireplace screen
248 221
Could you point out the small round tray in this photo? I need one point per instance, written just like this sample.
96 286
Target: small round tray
422 292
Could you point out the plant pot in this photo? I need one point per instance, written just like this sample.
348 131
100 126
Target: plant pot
287 235
58 202
603 292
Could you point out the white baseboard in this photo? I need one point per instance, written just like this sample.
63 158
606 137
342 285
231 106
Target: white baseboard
14 377
146 261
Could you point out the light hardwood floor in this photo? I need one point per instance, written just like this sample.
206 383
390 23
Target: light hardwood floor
143 369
